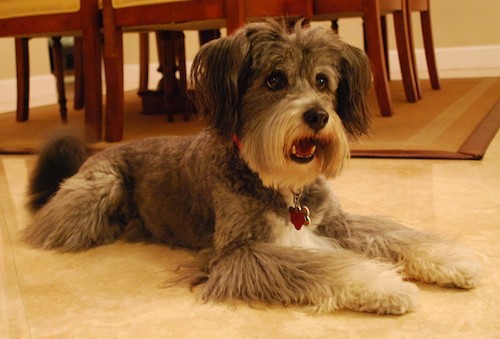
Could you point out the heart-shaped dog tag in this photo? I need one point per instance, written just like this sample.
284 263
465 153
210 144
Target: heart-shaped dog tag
299 216
296 217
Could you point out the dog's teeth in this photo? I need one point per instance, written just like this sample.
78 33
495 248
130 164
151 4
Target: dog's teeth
303 150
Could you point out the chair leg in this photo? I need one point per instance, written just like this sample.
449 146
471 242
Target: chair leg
113 66
173 85
59 74
235 15
429 49
23 78
143 62
385 42
412 49
180 49
405 55
91 51
166 60
172 60
335 26
375 50
208 35
78 101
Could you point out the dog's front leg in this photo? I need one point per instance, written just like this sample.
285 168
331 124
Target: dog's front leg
324 281
247 264
423 257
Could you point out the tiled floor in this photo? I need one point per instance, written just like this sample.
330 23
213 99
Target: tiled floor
119 290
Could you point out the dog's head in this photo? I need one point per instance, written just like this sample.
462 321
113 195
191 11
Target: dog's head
289 100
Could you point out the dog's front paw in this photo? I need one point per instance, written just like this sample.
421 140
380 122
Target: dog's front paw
395 299
446 266
464 274
382 292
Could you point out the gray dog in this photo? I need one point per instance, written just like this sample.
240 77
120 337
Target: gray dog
249 194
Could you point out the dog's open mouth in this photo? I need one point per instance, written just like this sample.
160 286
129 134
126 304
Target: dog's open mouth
303 150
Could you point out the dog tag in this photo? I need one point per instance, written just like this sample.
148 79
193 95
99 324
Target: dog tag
299 216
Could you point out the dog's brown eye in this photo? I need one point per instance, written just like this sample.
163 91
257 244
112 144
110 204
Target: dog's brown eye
321 82
276 81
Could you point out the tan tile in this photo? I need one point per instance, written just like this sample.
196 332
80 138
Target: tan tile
118 290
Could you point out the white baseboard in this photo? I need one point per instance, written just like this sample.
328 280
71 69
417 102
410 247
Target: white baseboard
42 92
43 89
459 62
456 62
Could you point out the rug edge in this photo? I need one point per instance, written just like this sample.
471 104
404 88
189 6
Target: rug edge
479 140
473 148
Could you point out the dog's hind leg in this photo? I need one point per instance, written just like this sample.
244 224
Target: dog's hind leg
79 215
422 256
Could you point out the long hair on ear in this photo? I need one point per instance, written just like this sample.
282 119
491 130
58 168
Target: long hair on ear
352 90
219 74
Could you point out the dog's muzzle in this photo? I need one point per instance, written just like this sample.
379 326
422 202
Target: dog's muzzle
303 150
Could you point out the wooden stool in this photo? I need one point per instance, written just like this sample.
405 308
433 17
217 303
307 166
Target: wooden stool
171 95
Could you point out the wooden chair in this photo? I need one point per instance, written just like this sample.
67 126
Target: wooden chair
126 15
255 9
29 18
371 11
289 9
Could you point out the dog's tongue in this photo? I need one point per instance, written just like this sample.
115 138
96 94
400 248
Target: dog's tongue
305 147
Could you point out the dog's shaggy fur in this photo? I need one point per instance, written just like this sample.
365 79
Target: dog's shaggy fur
281 106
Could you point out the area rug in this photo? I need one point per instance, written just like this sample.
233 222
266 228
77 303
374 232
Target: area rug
456 122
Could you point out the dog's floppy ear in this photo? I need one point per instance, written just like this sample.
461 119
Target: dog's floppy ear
219 74
352 89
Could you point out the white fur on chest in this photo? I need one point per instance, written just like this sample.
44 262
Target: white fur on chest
286 235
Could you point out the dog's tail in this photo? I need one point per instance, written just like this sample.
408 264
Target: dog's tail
59 159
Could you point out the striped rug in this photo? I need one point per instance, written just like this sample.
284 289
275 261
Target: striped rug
456 122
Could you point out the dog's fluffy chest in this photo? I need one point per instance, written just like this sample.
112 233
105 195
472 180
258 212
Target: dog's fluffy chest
286 235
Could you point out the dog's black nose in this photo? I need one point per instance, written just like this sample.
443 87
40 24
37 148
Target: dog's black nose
316 119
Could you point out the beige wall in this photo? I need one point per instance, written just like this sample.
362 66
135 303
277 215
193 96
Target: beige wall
466 22
39 58
456 23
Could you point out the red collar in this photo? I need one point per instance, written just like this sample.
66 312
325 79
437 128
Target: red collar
237 142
